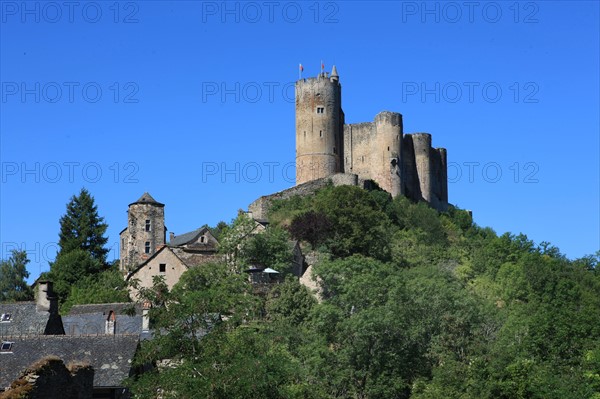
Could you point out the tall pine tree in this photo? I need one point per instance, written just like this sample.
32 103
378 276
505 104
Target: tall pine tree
82 228
81 241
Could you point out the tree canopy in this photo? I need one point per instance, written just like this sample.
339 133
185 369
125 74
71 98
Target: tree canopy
414 304
82 253
13 275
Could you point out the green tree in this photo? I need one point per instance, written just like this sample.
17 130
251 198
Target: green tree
270 248
82 228
358 223
81 240
312 227
13 273
105 287
72 267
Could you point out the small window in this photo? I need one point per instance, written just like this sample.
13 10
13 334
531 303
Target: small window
388 148
334 150
5 317
6 346
320 110
147 247
162 268
202 239
147 224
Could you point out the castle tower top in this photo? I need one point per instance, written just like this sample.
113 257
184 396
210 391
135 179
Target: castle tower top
334 74
146 198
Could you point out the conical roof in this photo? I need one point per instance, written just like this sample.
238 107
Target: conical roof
146 198
334 72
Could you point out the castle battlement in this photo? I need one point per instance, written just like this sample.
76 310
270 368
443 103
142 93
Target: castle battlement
402 164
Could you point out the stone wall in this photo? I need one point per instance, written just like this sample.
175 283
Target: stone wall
134 237
379 151
319 121
49 378
260 208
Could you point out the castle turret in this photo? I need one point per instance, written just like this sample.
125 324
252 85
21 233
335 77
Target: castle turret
387 151
422 148
319 124
442 178
145 231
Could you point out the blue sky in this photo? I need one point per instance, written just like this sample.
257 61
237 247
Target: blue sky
193 102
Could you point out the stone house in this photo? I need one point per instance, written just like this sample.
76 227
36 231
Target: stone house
145 253
105 337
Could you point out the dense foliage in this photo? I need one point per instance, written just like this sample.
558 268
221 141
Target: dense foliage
80 263
13 275
413 304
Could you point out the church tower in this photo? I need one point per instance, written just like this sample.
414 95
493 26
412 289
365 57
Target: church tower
319 127
145 232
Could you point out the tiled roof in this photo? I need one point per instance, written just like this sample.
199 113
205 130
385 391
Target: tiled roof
25 319
91 318
147 199
183 239
110 355
95 323
118 307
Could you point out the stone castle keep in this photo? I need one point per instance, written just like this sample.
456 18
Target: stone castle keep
401 164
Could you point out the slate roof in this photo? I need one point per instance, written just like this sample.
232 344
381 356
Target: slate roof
109 355
27 320
117 307
183 239
147 199
91 318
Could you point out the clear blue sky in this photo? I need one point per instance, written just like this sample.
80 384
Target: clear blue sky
193 102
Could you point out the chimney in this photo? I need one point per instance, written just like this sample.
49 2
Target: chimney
47 301
145 316
171 236
111 323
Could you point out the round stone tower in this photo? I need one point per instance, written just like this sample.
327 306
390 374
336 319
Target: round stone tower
145 232
422 146
387 151
319 127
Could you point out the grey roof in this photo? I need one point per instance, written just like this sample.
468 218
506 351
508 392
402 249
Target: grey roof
110 355
27 320
91 319
147 199
183 239
117 307
95 323
334 71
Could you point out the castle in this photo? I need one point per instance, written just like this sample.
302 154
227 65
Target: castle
330 151
401 164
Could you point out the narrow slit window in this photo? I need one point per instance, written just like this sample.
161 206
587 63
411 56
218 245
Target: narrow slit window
148 224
